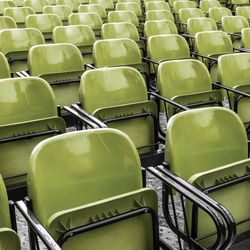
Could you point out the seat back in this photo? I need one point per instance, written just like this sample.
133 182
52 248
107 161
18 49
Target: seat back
205 5
195 25
123 16
36 5
129 6
243 11
216 13
72 4
160 27
136 1
63 11
178 5
107 4
120 30
190 13
245 38
18 14
5 67
234 24
159 15
96 8
7 22
147 1
5 4
158 5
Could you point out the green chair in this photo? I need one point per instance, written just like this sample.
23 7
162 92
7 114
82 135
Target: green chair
19 3
243 11
188 83
18 14
36 5
61 65
71 3
15 45
8 237
208 148
5 4
234 3
216 13
147 1
107 4
45 23
96 8
63 11
7 22
178 5
130 6
233 72
81 36
106 162
160 27
212 44
90 19
136 1
245 38
28 115
5 67
159 15
158 5
205 5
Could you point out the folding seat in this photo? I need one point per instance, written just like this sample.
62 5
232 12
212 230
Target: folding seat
160 27
81 36
96 8
233 25
216 13
45 23
28 116
186 82
118 210
243 11
123 16
205 5
5 67
91 19
15 45
245 38
233 72
7 22
234 3
147 1
158 5
136 1
5 4
108 4
61 65
208 148
63 11
178 5
130 6
36 5
159 15
71 3
18 14
209 45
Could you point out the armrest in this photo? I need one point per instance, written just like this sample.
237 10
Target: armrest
36 226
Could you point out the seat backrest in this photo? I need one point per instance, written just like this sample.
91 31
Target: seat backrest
217 138
43 22
123 16
72 4
181 77
79 35
54 58
234 24
167 47
120 30
103 155
190 13
26 99
63 11
36 5
96 8
7 22
216 13
243 11
136 1
234 69
245 38
200 24
205 5
213 43
15 40
159 27
5 67
116 52
147 1
18 13
158 5
178 5
129 6
159 15
5 4
93 20
107 4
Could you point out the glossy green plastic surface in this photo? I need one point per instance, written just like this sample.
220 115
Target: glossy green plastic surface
123 16
36 5
120 30
96 8
71 3
245 38
190 13
108 4
205 5
234 24
178 5
195 25
216 13
18 14
159 15
5 68
129 6
158 5
243 11
136 1
159 27
5 4
7 22
63 11
147 1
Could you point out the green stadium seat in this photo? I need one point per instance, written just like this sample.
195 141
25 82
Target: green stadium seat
130 6
216 13
245 38
71 3
19 3
123 16
136 1
178 5
96 8
107 4
36 5
234 3
243 11
5 4
159 15
158 5
5 67
205 5
7 22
